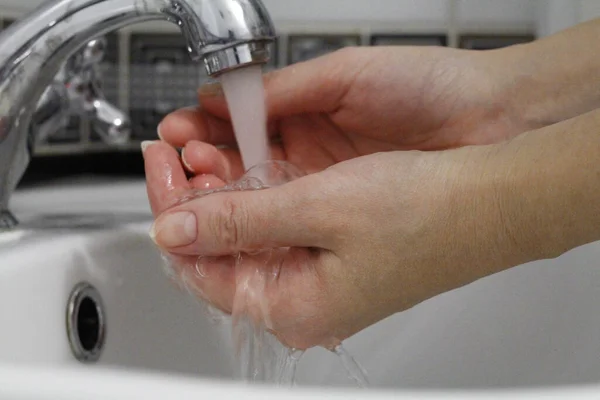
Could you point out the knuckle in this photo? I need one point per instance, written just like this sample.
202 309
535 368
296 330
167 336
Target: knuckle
229 224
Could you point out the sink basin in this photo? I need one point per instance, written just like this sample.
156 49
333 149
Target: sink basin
149 324
534 328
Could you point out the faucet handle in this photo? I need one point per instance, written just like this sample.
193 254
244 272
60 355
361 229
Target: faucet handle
110 123
93 52
76 90
83 81
87 57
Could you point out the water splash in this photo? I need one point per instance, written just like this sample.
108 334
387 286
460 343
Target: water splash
355 372
260 355
261 358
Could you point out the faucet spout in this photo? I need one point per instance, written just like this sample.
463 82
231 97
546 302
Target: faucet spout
221 34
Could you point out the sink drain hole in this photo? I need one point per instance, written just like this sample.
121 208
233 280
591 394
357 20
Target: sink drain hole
86 323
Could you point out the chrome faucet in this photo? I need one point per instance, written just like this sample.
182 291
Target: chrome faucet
221 34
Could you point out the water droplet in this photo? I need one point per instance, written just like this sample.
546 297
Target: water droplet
355 372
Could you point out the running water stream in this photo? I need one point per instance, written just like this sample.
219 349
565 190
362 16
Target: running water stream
261 357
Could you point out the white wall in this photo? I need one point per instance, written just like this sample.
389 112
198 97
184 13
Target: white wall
497 11
589 9
556 15
394 14
357 10
478 14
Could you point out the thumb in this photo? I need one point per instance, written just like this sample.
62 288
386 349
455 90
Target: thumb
318 85
231 222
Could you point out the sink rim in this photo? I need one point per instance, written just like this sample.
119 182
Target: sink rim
62 226
31 238
69 383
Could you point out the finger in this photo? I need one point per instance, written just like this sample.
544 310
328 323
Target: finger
187 124
208 279
203 158
213 279
317 85
256 280
206 182
228 223
166 179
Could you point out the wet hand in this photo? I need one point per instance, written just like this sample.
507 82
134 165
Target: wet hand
367 238
361 101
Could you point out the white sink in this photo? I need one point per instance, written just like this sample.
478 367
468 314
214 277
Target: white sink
149 324
535 328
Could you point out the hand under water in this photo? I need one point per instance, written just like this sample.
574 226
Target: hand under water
369 237
371 233
355 102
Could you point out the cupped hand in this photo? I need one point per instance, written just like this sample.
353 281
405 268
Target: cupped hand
363 239
360 101
371 230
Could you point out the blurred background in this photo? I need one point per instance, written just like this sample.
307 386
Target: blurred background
147 73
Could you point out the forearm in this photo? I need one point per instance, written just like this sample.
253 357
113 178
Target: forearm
547 186
554 78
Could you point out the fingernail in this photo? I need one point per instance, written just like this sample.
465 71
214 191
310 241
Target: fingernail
175 230
158 132
211 89
206 267
185 162
147 143
201 267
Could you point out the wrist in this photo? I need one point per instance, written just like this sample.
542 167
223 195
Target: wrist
546 81
488 239
462 226
508 209
545 191
521 86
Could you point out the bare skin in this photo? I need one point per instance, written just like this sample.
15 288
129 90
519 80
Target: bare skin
375 229
357 102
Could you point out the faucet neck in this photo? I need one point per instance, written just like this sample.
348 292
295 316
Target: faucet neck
31 53
224 34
